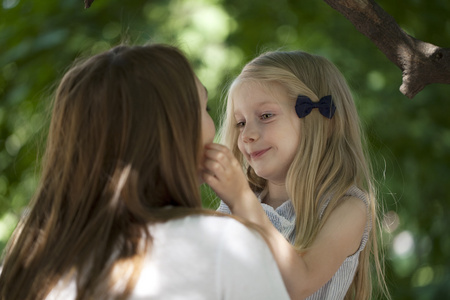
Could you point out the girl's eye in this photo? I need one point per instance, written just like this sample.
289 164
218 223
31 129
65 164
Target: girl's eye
266 116
240 124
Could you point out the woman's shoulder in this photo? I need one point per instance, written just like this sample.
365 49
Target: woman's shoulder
207 229
211 240
230 259
201 222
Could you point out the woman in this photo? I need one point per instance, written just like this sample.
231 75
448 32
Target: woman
117 214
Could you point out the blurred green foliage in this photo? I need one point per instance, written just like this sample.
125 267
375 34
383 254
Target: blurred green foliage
409 139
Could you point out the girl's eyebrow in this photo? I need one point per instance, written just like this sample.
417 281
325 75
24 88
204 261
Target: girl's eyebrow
268 103
260 106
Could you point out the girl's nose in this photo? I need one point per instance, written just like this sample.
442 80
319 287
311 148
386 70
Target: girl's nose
250 133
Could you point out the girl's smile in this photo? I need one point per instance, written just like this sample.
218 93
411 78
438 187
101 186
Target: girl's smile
258 154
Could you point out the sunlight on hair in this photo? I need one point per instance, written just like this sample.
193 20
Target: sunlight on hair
403 243
123 177
122 270
391 221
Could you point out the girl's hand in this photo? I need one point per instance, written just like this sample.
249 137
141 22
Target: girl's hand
223 173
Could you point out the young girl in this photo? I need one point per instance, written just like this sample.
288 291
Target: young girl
293 126
117 214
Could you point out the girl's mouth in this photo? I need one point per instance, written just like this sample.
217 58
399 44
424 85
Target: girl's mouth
258 154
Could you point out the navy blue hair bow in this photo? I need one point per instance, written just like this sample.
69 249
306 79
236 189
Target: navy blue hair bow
304 105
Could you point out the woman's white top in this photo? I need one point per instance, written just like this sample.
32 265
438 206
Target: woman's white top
203 258
283 218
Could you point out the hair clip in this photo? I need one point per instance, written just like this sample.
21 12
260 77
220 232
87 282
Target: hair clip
304 106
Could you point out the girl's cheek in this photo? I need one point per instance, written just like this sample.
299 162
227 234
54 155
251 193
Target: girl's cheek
241 147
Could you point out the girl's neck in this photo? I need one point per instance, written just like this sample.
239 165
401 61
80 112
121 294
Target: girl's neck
277 194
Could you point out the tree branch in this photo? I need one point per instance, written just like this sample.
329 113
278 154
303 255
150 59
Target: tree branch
421 63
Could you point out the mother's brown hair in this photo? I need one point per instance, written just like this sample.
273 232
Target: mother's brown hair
123 145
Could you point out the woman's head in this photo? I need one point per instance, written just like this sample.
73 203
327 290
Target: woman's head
124 145
130 114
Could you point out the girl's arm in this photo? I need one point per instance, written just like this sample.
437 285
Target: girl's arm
303 274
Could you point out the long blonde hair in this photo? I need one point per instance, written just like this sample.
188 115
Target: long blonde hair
123 145
331 156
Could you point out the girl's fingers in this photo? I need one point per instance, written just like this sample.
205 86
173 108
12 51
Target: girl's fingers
225 159
217 157
213 167
209 178
221 163
220 151
216 146
213 154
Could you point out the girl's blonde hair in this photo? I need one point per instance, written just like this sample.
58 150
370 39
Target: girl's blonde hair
330 159
123 146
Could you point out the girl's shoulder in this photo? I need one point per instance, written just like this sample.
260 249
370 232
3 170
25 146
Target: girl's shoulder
356 192
357 195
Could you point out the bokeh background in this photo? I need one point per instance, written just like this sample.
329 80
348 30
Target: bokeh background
409 139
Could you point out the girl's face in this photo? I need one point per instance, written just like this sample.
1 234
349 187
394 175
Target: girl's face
269 129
